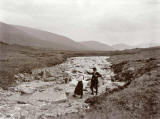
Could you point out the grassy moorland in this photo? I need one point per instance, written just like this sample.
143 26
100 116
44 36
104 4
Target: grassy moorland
139 99
16 58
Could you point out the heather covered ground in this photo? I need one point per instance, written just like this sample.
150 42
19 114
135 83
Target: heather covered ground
138 99
135 96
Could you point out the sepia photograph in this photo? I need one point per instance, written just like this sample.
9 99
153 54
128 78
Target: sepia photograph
79 59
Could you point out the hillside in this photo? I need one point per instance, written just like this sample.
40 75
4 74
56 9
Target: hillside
146 45
97 46
121 46
26 36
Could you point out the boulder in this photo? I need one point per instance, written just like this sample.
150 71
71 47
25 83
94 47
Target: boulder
26 90
22 76
74 71
37 77
66 80
16 76
50 79
21 102
28 79
131 68
58 88
121 84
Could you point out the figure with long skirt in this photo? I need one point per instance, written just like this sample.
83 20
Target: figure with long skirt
79 88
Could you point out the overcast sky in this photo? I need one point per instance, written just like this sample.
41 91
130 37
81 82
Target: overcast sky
110 21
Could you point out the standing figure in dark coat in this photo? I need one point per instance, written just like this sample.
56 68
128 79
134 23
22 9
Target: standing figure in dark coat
94 80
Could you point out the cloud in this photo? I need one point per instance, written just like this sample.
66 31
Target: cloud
153 2
111 21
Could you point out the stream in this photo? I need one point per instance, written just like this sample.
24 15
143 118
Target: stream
48 92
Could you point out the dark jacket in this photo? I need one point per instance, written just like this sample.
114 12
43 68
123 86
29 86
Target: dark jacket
94 80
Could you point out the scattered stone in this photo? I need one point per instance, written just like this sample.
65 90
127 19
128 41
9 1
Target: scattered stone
8 116
150 59
119 83
131 69
66 80
21 102
74 71
21 76
26 91
92 100
50 79
58 89
55 86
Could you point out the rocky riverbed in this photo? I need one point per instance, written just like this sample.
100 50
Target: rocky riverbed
139 98
47 93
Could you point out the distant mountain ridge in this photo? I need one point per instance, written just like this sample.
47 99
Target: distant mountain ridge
146 45
97 46
26 36
122 46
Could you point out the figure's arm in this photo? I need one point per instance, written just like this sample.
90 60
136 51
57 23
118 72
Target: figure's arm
89 72
98 74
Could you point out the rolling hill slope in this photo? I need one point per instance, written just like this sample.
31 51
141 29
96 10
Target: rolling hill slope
97 46
26 36
122 46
